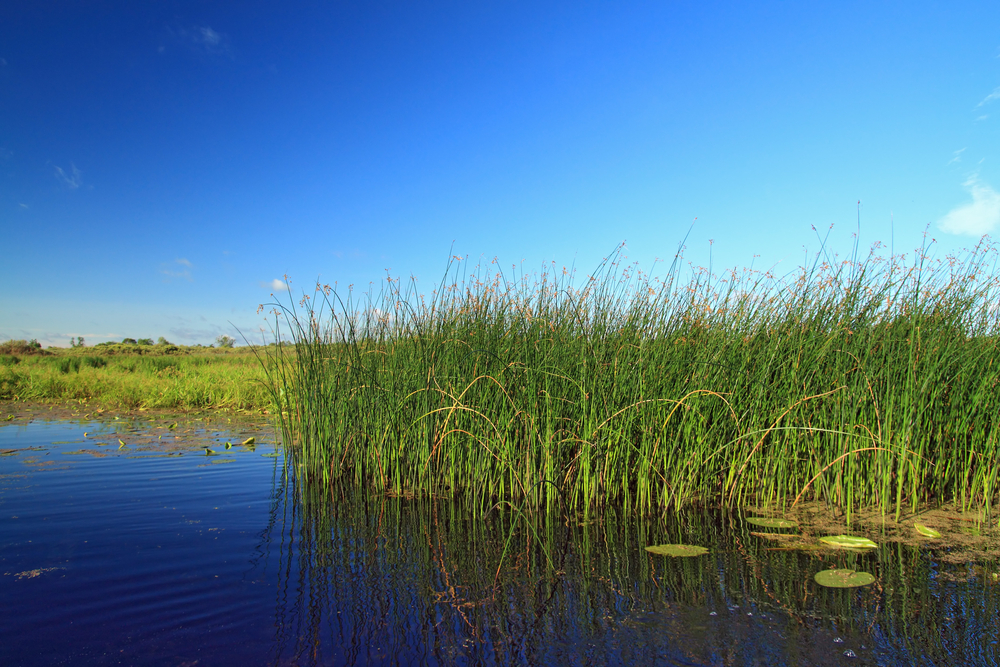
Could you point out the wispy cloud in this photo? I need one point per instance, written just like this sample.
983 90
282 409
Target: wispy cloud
204 39
23 205
956 156
983 117
275 285
995 95
71 180
978 217
180 268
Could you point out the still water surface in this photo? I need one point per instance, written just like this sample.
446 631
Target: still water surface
153 552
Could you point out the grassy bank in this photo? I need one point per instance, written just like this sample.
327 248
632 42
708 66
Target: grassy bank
860 382
136 376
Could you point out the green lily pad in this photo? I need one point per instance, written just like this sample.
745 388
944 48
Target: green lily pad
925 531
772 523
677 550
843 578
848 541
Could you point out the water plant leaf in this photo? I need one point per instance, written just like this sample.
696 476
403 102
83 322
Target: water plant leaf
677 550
849 541
249 441
228 445
772 523
209 452
838 578
925 531
121 443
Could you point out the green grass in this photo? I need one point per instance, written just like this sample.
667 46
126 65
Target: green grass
868 382
137 377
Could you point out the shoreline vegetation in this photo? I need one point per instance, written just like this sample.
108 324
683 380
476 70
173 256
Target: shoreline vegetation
860 382
136 376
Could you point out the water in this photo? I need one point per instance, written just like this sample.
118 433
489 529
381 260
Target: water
156 553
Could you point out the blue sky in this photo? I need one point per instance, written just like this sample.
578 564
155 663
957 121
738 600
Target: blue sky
164 164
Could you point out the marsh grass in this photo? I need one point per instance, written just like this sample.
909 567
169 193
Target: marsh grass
865 381
183 378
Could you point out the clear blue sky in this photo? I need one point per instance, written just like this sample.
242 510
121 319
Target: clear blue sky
162 164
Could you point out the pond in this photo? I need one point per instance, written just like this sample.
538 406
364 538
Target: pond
124 541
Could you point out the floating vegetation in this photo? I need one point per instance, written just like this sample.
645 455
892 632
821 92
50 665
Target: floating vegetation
677 550
772 523
31 574
848 542
925 531
843 578
861 382
249 441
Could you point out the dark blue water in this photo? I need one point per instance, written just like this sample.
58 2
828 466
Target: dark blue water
156 553
138 558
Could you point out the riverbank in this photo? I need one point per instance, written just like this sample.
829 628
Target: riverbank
138 377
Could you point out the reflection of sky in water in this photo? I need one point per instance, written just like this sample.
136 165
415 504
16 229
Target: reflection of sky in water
155 553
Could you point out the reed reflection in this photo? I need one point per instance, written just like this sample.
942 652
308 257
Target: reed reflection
397 580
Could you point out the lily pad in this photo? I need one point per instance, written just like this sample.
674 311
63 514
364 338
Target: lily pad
772 523
925 531
843 578
848 541
248 441
677 550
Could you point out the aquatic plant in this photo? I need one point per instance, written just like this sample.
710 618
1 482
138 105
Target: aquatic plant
861 382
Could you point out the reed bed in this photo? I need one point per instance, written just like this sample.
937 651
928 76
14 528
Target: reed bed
867 381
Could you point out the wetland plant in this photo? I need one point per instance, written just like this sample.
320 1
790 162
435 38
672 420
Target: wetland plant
869 381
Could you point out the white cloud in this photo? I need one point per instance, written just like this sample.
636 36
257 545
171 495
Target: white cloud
995 95
206 40
71 180
171 271
981 216
983 117
275 285
23 205
956 156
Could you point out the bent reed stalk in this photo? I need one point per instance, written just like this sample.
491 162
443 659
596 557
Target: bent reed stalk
866 382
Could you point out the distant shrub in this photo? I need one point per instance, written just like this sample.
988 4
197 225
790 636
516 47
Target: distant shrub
129 341
163 341
225 341
144 341
21 347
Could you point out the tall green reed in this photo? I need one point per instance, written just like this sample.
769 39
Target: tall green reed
858 382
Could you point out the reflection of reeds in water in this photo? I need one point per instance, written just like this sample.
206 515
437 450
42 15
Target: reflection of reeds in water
423 581
859 382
